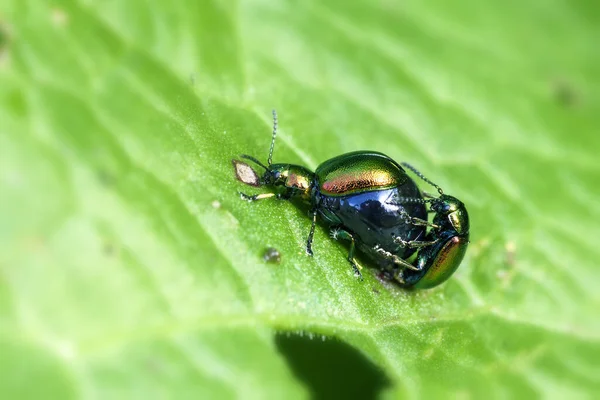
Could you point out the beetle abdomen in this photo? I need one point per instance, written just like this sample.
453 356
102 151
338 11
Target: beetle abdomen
358 172
439 261
375 217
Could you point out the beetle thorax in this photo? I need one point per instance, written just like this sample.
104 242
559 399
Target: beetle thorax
451 214
294 177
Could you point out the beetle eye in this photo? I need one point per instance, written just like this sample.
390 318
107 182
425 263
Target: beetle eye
442 207
437 205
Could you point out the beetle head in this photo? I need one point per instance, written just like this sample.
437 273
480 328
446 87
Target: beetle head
450 214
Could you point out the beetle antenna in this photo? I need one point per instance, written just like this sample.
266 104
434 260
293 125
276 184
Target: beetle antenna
420 175
408 200
247 157
270 159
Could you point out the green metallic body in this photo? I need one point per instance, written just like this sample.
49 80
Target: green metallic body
438 262
368 199
358 172
362 192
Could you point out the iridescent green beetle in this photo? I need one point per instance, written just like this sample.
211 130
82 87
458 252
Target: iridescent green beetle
368 199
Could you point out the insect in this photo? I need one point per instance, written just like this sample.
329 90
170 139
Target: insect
368 199
272 255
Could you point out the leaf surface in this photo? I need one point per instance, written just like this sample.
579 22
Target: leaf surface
129 266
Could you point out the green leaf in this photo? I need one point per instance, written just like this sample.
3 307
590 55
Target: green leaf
129 266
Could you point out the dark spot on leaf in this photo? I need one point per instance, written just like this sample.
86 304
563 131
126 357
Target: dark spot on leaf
4 41
106 178
109 249
565 93
272 255
331 368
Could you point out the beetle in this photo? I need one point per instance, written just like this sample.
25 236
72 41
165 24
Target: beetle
368 199
445 244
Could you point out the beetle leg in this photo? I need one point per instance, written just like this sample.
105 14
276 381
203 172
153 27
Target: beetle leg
415 221
395 259
256 196
422 222
342 234
414 244
311 234
280 196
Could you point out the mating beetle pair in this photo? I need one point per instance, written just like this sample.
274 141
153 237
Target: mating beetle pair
368 199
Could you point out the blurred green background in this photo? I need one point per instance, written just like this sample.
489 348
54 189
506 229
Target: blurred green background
130 268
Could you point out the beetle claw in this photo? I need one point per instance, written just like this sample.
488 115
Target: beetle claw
401 242
244 196
334 233
412 267
357 272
